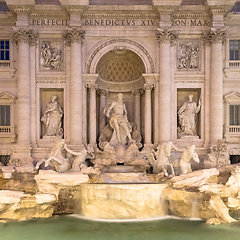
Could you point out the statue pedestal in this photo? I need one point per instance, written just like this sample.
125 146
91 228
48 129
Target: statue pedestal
51 138
189 138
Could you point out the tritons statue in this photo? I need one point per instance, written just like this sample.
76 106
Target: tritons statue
60 163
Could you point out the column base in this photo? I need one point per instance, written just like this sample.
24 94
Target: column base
76 147
22 153
93 145
148 145
52 138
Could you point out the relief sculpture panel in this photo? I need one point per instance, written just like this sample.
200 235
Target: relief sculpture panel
51 56
188 56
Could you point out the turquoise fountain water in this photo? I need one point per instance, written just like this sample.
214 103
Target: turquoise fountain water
71 228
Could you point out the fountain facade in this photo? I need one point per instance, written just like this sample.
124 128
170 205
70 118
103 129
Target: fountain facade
118 117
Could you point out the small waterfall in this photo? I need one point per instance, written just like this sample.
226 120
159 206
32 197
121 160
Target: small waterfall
164 205
195 210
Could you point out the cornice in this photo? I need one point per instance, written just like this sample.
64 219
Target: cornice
18 9
46 15
120 86
120 15
116 8
188 15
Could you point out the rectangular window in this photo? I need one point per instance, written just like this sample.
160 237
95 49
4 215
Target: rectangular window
4 159
234 115
4 115
4 50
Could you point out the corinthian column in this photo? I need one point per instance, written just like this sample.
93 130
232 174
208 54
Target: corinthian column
92 115
74 37
102 120
137 109
22 38
164 37
148 115
216 36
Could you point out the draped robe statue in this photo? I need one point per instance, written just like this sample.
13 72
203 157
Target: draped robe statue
52 118
187 117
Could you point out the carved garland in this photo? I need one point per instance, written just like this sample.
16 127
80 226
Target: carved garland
115 41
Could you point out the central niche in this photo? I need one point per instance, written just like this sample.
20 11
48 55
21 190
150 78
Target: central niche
120 65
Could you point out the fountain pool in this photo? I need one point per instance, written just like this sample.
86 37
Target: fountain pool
71 228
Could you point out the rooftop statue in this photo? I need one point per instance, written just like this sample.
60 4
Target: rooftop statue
187 117
52 118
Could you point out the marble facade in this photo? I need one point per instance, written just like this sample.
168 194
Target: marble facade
154 54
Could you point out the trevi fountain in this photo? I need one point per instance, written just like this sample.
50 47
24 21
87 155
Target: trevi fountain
121 179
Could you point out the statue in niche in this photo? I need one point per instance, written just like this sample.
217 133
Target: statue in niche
187 117
117 114
50 57
188 56
52 118
188 154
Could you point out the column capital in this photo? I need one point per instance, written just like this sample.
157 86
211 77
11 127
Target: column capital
215 35
92 86
148 86
166 35
24 35
137 92
33 39
102 92
74 35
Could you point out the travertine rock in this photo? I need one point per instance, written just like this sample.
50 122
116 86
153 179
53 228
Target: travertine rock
50 181
63 186
194 179
121 201
16 205
215 191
